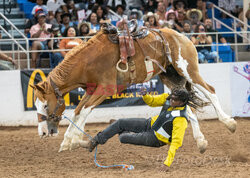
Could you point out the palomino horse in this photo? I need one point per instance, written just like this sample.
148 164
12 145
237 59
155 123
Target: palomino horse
93 66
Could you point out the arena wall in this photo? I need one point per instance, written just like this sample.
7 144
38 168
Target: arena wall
12 109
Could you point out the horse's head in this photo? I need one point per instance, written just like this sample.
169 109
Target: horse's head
50 104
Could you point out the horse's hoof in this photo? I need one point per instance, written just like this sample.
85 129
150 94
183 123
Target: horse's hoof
65 145
231 125
202 145
64 148
74 145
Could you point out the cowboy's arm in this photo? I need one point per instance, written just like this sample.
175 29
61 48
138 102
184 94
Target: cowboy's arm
179 127
154 101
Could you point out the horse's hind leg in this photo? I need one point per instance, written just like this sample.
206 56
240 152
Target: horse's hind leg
209 92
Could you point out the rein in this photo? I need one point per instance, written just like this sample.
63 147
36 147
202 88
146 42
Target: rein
60 101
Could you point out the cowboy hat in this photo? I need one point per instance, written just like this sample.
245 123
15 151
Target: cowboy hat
171 11
150 14
194 11
135 11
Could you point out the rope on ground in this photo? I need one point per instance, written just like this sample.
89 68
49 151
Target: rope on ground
123 166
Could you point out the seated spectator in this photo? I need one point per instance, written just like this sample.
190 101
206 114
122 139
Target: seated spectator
171 18
53 6
72 10
66 22
187 29
120 11
85 30
53 44
180 4
39 4
180 20
152 19
161 12
209 27
195 16
94 22
100 11
40 30
204 52
57 20
137 15
69 43
30 22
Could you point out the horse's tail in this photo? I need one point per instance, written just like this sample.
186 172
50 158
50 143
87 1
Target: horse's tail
196 101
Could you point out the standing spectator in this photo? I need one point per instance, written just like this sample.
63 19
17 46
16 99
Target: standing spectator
187 29
120 11
53 44
66 22
204 52
40 30
195 16
152 19
209 27
200 5
72 10
100 11
69 43
112 4
94 22
227 5
248 22
39 4
54 5
161 11
151 6
180 4
57 20
136 4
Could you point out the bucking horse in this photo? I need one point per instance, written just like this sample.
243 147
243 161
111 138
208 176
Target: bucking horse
102 68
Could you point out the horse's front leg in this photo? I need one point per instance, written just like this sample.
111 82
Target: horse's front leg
68 136
197 134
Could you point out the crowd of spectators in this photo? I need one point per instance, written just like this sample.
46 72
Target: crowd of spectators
83 18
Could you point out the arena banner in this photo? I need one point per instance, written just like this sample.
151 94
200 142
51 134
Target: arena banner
240 85
128 97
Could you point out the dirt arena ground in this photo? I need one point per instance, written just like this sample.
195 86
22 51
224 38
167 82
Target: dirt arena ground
24 154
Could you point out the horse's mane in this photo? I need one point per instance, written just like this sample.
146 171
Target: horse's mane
63 70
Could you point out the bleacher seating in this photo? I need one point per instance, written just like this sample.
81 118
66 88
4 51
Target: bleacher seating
225 52
26 6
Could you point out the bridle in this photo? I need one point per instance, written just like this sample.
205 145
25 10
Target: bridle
60 102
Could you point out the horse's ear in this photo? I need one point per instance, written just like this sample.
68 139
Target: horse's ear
39 87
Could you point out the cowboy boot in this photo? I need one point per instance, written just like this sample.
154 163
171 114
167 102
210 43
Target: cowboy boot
92 144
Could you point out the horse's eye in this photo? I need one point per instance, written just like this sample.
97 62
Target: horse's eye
45 106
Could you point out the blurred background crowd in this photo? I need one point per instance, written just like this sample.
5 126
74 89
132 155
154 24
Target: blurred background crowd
81 18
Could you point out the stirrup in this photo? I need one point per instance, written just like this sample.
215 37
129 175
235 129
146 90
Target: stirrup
119 69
